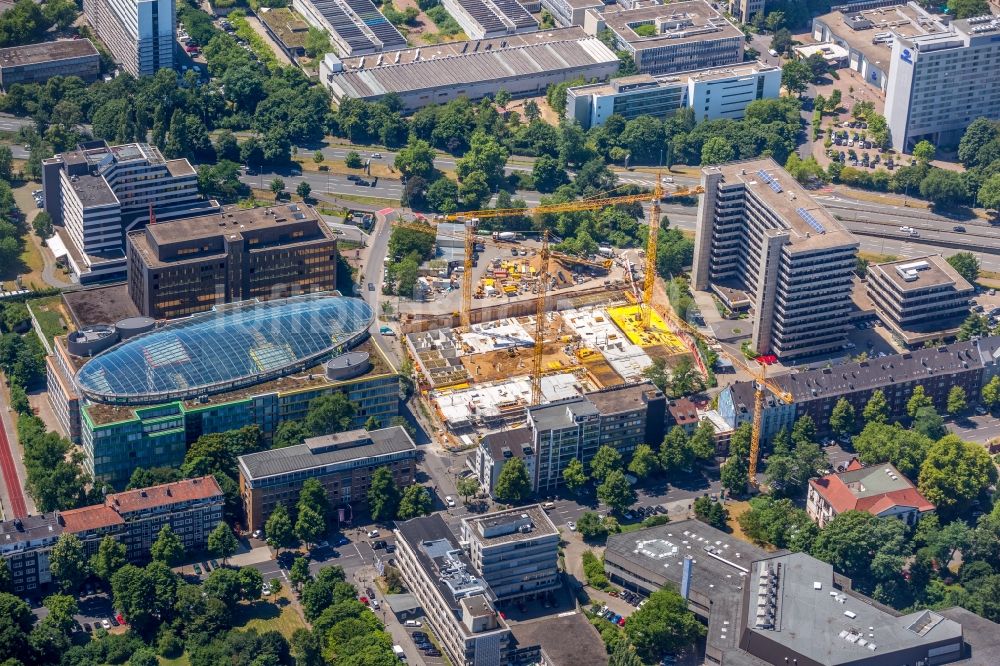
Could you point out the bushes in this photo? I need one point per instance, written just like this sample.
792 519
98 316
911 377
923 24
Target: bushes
593 569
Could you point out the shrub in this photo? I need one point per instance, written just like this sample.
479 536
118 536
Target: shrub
593 569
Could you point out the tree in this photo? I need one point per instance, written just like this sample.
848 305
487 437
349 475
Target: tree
312 495
416 501
616 491
277 186
605 461
590 527
963 9
735 472
274 586
717 151
299 574
575 477
975 325
881 442
303 189
955 473
991 392
310 526
330 413
318 157
663 625
42 225
781 40
778 522
416 159
804 430
865 548
876 409
513 485
352 160
168 547
943 187
16 621
224 585
644 461
290 433
442 195
685 378
924 151
548 173
278 528
795 76
918 399
957 400
222 542
62 608
989 193
966 264
788 473
383 495
68 562
710 512
842 418
467 487
702 442
109 558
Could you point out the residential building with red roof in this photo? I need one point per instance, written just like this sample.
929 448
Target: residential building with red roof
880 490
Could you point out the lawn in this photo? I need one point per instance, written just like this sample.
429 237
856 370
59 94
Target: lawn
182 660
51 316
266 616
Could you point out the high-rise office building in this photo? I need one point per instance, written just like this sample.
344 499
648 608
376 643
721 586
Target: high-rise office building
940 82
140 33
98 192
762 240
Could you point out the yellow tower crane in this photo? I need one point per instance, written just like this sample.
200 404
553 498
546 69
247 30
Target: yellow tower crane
761 384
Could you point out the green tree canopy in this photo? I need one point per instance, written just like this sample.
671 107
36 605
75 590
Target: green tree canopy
278 528
68 562
513 485
876 409
967 265
222 542
109 558
716 150
955 473
663 625
644 462
605 461
330 413
880 442
383 495
575 477
309 526
416 501
168 547
616 491
842 418
867 549
918 399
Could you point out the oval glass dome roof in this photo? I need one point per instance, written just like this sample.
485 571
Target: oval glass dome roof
225 349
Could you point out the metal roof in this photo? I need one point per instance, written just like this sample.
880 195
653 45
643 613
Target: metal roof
232 346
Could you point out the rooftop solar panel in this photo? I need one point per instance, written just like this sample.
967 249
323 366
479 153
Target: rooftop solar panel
810 220
347 17
499 15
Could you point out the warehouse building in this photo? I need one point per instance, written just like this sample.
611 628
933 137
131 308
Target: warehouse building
187 266
722 92
481 19
920 299
37 63
676 37
523 64
343 462
355 26
761 235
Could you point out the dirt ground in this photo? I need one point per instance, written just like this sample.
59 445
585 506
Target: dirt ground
426 31
548 114
504 364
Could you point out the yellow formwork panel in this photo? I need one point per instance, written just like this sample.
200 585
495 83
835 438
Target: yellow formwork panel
629 320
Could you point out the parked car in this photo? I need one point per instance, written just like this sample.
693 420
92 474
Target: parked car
571 525
106 623
449 500
373 534
413 623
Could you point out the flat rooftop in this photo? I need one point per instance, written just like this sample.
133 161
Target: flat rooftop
339 448
566 639
858 29
644 81
982 637
517 440
32 54
519 524
228 221
831 626
676 23
623 398
561 414
93 191
99 305
921 273
811 227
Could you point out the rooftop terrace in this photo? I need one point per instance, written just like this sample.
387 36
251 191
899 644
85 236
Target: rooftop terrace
676 23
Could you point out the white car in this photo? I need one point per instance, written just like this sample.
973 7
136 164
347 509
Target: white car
106 624
413 623
449 500
571 525
373 534
257 534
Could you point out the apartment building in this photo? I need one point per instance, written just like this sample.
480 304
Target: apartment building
676 37
575 428
96 193
722 92
495 449
192 508
516 552
744 10
25 543
37 63
342 462
880 490
139 33
919 299
940 82
458 603
761 237
186 266
815 392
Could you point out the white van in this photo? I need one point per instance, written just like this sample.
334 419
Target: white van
398 651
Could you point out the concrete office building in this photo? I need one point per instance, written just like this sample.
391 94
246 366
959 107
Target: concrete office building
723 92
495 449
687 36
98 192
744 10
880 490
343 462
188 266
762 236
765 608
867 32
481 19
458 603
939 83
815 392
25 543
571 12
919 299
575 428
139 33
516 552
192 508
522 64
37 63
